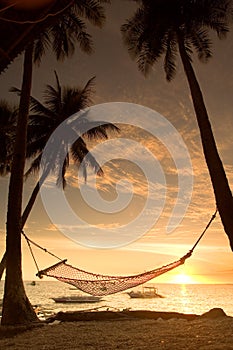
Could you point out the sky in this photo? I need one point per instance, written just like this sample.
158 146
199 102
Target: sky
118 80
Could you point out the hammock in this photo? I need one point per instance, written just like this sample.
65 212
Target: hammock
100 285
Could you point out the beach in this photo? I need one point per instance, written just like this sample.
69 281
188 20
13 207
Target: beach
119 322
124 333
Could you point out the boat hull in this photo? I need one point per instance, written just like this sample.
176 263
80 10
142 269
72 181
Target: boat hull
141 296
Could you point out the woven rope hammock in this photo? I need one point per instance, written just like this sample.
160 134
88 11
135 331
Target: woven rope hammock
100 285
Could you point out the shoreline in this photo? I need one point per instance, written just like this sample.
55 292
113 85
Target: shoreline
212 330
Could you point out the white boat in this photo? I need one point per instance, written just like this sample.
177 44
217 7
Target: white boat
146 293
77 299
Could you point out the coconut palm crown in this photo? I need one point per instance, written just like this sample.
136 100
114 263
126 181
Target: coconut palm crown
59 104
158 26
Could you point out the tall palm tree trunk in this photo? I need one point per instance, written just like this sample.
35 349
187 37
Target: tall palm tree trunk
222 191
16 306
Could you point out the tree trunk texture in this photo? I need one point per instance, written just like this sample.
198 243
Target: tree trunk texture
222 191
16 306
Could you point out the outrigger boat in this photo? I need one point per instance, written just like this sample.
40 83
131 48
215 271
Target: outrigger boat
146 293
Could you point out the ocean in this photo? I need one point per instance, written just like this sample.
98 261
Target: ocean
189 298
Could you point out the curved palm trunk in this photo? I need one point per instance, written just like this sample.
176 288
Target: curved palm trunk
32 200
30 204
16 306
222 191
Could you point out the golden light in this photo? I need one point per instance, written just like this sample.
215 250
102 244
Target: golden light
183 278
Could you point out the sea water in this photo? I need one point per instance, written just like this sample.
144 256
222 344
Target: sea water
189 298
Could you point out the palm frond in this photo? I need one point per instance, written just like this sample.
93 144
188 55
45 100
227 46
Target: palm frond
202 44
64 35
91 10
132 32
40 110
146 59
82 156
100 130
36 143
188 49
76 99
170 57
92 162
70 30
41 44
62 44
87 92
53 97
213 14
77 31
85 42
34 166
144 39
35 105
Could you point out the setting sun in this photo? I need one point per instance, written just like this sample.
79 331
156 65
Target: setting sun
182 278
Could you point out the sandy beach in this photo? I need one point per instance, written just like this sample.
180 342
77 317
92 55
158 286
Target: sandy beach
124 333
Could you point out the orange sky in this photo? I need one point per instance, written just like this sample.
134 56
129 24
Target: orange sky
119 80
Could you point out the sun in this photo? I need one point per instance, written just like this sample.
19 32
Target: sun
182 278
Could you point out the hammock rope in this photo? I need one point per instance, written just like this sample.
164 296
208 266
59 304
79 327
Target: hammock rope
101 285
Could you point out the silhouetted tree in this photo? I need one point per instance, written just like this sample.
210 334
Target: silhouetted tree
67 31
171 27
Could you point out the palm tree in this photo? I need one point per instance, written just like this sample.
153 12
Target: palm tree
60 103
16 306
71 29
8 118
21 23
169 28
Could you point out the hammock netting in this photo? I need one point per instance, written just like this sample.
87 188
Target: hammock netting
100 285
